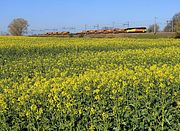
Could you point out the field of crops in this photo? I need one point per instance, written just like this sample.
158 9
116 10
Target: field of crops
89 84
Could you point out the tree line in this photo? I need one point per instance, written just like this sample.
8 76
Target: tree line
172 26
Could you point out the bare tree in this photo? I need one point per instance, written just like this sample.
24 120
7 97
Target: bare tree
169 27
176 24
18 27
173 25
151 28
178 29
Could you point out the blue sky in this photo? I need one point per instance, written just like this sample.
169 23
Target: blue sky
50 14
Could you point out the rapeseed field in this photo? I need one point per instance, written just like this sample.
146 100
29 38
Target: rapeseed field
89 84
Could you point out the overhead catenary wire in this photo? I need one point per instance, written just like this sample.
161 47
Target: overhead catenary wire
162 22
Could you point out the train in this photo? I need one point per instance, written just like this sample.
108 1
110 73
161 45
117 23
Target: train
100 31
57 33
116 31
136 30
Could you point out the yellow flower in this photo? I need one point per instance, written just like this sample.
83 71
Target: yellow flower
92 112
92 127
178 104
33 107
28 114
97 97
104 116
87 88
96 91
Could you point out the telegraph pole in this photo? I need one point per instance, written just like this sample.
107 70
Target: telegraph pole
113 24
155 25
127 24
96 26
85 29
172 25
167 23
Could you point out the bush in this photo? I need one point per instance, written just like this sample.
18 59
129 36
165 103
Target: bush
81 35
71 35
177 35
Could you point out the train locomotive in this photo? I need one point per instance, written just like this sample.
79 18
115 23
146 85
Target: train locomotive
136 30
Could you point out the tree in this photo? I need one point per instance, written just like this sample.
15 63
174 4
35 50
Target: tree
152 27
18 27
169 27
177 23
178 26
177 29
173 25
